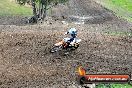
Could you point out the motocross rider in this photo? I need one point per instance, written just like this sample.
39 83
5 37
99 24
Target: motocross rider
73 34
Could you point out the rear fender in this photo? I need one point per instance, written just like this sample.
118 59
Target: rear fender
78 41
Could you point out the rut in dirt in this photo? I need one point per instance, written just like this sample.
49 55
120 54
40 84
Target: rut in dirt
26 55
88 11
26 61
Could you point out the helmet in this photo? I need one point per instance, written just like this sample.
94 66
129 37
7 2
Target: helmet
72 31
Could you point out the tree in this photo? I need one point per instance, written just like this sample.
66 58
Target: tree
23 2
40 7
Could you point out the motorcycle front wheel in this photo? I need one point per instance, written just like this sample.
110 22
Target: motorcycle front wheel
55 49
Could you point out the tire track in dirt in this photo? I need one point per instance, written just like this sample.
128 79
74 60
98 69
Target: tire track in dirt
28 62
25 60
88 11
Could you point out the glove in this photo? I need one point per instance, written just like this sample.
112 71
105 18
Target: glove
66 33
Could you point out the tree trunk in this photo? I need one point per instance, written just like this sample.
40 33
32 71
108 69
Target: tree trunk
34 10
45 3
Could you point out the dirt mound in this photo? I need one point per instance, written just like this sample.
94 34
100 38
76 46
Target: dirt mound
84 11
13 20
26 61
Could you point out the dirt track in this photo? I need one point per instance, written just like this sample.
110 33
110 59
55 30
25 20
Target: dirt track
25 60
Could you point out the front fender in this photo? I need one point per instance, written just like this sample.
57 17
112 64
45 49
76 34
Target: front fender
59 43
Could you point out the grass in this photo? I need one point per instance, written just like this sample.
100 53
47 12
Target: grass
119 33
11 8
114 86
122 8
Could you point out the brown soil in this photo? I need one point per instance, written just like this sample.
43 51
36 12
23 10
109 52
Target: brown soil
25 60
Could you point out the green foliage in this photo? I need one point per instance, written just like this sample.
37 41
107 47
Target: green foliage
23 2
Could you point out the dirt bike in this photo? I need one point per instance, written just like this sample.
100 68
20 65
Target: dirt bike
65 45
